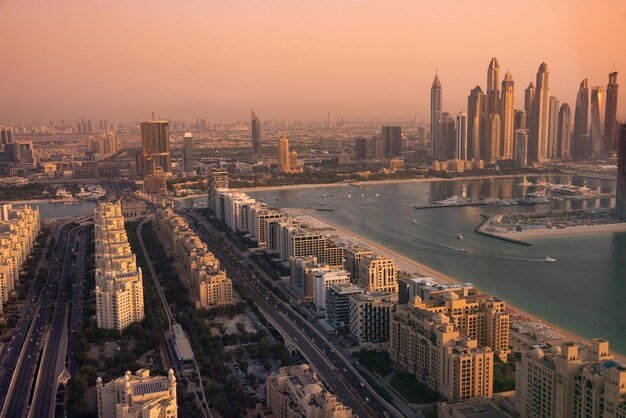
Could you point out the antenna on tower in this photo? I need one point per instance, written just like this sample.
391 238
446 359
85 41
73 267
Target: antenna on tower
613 68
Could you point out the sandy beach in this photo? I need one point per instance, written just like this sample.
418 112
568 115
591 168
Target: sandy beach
581 230
411 266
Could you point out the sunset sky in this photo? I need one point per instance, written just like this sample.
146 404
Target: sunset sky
291 59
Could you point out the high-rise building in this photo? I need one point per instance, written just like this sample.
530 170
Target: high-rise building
138 396
581 146
610 121
538 140
520 119
564 147
521 148
445 146
620 200
255 125
6 135
110 143
598 140
377 148
360 148
378 274
188 158
217 180
297 391
553 128
435 112
144 164
461 136
493 92
491 144
567 382
338 304
155 139
284 158
507 115
440 355
474 119
529 108
119 285
369 318
392 141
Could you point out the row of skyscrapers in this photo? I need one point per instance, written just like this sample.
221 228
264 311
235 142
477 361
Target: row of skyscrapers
493 130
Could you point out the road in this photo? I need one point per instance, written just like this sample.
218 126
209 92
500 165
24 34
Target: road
25 366
54 353
335 370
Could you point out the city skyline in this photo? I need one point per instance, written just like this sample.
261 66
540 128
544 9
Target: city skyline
287 77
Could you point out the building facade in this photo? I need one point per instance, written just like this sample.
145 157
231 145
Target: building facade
155 139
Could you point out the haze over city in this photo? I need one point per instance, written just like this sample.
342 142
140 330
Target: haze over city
360 60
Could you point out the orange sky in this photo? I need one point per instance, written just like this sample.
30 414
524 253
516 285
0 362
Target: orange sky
291 59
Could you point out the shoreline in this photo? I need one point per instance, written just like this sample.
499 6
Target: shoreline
578 230
413 266
388 181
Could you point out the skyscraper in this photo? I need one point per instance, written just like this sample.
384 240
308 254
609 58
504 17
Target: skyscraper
491 150
610 121
520 119
581 147
493 77
553 127
188 152
620 200
255 125
474 118
445 146
435 112
461 136
284 157
564 149
155 139
392 141
598 140
6 135
360 148
521 148
529 107
507 115
377 148
538 141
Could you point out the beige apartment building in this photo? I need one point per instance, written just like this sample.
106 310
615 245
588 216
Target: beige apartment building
119 284
138 396
378 274
480 316
567 382
440 355
297 391
19 229
199 268
353 256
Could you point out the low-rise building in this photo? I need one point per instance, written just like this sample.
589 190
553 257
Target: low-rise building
297 391
138 396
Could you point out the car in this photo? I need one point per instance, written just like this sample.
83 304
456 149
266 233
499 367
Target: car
345 370
367 399
362 385
295 339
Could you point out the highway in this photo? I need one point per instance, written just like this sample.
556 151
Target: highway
53 358
335 370
26 365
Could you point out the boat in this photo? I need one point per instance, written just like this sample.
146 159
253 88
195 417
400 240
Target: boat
299 197
376 194
549 260
322 203
277 198
459 236
324 209
463 250
414 221
362 195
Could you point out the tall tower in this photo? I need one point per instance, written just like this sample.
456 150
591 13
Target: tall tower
255 125
553 127
284 157
491 150
155 139
620 201
507 115
598 140
445 149
581 148
392 141
493 80
520 119
538 142
564 147
435 113
461 136
474 118
521 148
187 152
610 121
529 106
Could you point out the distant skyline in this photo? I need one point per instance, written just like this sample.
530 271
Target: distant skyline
359 59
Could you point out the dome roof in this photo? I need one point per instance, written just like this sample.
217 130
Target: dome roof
312 389
441 319
537 354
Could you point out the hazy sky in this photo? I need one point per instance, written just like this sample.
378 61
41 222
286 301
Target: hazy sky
291 59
